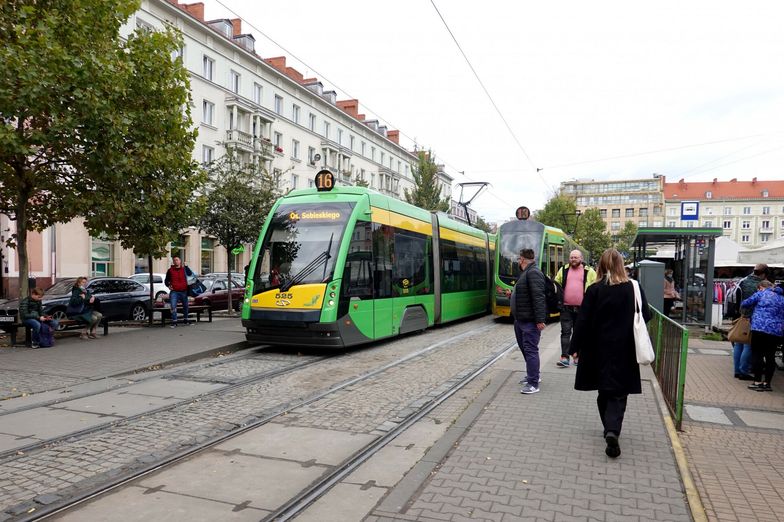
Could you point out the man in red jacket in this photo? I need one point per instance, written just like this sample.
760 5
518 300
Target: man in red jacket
177 281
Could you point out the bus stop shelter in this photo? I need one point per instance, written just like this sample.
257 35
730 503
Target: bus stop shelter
693 253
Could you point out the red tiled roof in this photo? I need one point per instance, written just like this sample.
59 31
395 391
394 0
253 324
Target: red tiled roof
733 189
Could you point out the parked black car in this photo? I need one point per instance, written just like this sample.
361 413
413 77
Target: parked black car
119 299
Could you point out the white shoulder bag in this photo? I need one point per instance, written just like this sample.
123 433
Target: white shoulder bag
642 341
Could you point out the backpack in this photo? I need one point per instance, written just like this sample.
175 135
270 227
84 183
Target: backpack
553 295
46 336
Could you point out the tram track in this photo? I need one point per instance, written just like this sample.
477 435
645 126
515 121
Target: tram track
44 511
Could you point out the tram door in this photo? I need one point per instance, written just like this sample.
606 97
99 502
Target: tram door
357 287
383 302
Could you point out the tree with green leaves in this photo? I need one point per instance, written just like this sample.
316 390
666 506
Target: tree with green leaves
85 126
559 212
359 182
239 197
426 193
625 239
592 235
481 224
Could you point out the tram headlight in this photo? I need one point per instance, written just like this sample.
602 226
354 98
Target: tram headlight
332 294
331 302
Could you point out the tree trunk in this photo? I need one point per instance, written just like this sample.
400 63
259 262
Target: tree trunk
152 290
228 275
21 242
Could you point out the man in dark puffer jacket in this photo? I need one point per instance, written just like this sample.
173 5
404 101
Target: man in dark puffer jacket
529 310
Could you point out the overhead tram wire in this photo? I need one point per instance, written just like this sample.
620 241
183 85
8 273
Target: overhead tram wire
489 97
344 91
691 171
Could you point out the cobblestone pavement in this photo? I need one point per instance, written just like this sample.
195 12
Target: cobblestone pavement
541 457
85 462
733 438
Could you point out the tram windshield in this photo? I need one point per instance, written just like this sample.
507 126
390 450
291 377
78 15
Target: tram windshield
509 252
301 244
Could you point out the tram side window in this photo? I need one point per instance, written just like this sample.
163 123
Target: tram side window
413 262
383 252
358 273
464 267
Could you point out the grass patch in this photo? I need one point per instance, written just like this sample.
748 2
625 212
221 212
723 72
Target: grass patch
713 336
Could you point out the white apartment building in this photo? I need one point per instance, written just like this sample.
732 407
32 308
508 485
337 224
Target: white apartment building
751 213
268 112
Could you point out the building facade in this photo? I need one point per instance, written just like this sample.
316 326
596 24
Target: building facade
267 112
640 201
751 213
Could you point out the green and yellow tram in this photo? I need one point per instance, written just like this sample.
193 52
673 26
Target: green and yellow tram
348 265
551 246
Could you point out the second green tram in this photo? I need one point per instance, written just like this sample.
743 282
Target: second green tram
550 245
349 266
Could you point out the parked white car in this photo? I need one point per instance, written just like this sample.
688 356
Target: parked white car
159 288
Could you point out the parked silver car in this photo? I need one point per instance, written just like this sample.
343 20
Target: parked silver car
158 287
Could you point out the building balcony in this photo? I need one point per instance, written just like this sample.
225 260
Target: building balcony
263 147
767 230
242 140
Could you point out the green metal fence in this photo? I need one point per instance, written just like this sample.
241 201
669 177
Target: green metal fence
671 342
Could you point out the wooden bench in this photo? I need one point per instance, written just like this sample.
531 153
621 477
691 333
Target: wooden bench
12 329
165 312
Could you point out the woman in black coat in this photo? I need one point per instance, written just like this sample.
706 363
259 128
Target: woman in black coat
603 340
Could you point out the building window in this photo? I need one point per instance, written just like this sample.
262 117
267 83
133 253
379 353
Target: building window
312 122
234 82
294 181
372 179
295 149
727 224
340 136
690 224
765 225
746 210
644 212
278 104
326 129
671 224
672 211
382 157
616 212
707 224
101 257
727 211
373 153
351 142
744 238
207 154
643 223
257 93
295 113
708 195
208 67
207 112
764 238
207 255
764 193
746 225
615 225
311 153
765 210
629 212
657 223
277 140
363 148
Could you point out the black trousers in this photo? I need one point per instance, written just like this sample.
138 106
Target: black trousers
763 353
568 318
612 406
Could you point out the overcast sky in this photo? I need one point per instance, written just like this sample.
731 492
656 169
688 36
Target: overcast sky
601 90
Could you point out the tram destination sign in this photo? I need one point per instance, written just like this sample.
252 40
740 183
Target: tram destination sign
325 181
522 213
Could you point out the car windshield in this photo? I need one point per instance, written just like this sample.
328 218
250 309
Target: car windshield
61 287
301 244
513 239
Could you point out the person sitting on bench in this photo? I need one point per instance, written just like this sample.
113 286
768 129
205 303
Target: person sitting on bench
81 308
31 314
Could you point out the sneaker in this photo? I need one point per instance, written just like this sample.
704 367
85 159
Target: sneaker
524 380
36 345
613 450
744 377
529 389
187 323
755 385
563 363
173 325
764 387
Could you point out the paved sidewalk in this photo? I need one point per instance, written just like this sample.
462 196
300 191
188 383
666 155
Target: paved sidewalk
541 457
733 437
72 361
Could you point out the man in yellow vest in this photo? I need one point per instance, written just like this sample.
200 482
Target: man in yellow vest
574 278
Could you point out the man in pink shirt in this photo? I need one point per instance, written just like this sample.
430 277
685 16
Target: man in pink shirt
574 278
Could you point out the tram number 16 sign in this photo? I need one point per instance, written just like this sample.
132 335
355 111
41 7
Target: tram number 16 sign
522 213
325 180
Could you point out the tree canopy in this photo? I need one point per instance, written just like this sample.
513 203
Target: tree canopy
625 239
559 212
239 197
92 125
426 193
591 234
